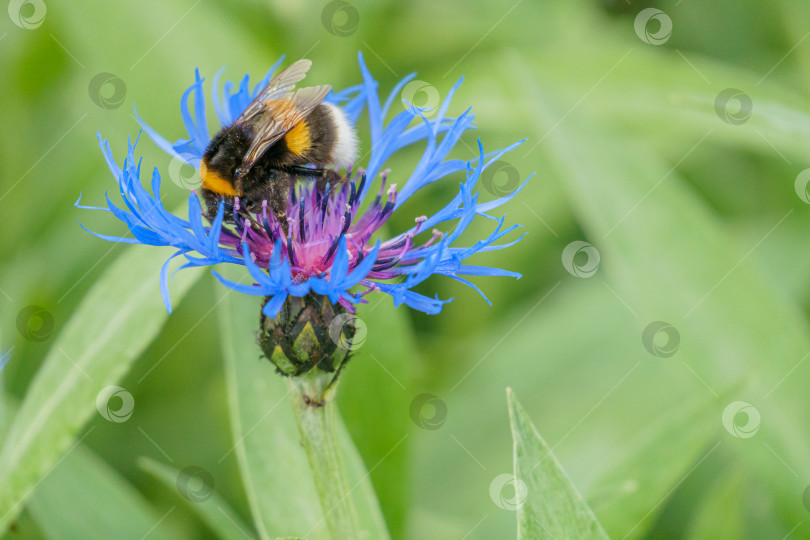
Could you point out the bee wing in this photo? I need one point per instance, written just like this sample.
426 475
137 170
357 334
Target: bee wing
281 115
278 87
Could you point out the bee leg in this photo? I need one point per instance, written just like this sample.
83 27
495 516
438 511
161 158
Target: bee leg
304 171
213 208
282 219
211 205
238 182
228 206
278 203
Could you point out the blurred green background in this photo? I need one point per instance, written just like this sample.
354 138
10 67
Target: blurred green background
678 157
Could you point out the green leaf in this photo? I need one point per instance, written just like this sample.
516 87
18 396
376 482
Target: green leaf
317 426
365 499
277 478
273 466
96 348
7 410
86 498
631 427
734 506
101 500
670 259
642 471
725 497
214 511
381 372
553 508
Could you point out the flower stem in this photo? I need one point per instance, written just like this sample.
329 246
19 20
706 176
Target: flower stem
317 416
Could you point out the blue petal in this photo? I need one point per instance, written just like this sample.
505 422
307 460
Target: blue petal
257 273
164 145
164 282
374 113
273 306
472 286
395 92
361 270
223 113
341 262
254 290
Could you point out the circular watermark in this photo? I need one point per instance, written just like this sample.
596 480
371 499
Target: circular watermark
348 331
107 90
428 411
35 323
340 18
733 106
501 178
183 171
661 339
508 492
115 404
741 419
422 96
800 185
27 14
572 257
646 22
195 484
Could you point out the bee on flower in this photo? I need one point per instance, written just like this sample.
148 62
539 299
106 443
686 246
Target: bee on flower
285 196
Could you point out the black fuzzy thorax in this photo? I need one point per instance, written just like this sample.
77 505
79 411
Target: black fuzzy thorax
270 177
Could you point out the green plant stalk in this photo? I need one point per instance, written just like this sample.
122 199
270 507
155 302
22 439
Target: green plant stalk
315 410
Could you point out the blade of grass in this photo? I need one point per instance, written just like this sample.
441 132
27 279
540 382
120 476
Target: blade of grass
214 511
86 498
113 324
274 470
277 477
381 374
553 508
671 260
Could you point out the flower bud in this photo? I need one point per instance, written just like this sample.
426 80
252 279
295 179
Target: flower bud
298 339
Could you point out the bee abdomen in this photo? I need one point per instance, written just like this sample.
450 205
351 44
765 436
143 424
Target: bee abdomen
333 139
344 150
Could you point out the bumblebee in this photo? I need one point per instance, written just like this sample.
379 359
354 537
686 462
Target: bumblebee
283 135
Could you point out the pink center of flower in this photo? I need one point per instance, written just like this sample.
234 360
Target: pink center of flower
314 221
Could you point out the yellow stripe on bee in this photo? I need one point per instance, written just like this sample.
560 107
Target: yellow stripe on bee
214 182
298 139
